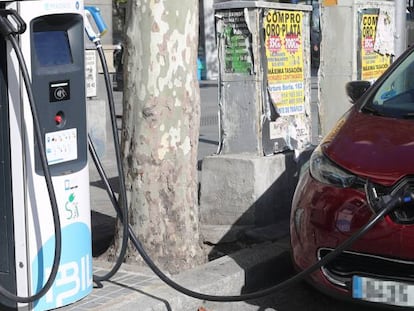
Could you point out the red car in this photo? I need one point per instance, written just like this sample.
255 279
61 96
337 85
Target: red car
373 143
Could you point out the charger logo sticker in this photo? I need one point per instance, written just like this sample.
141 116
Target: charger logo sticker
59 91
74 278
71 207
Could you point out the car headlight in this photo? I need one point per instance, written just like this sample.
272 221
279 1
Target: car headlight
325 171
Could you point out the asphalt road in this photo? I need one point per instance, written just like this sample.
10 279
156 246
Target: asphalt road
304 297
301 297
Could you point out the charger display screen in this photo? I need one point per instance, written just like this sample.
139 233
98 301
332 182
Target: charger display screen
52 48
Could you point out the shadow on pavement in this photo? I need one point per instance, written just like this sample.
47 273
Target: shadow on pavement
114 182
267 219
298 296
103 225
103 230
271 225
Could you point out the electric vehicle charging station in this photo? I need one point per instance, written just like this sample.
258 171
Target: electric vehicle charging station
53 49
53 55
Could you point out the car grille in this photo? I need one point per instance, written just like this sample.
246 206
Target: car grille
341 270
404 214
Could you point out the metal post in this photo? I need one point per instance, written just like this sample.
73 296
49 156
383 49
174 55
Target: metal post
400 39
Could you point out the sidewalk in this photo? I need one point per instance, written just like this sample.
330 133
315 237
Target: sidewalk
138 289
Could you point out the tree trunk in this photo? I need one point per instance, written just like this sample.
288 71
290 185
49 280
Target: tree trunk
161 129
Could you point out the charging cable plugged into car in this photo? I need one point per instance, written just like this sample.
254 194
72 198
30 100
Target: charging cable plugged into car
381 205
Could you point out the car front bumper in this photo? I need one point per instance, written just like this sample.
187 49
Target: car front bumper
323 216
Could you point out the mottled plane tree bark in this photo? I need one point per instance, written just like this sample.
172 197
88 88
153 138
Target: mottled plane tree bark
161 113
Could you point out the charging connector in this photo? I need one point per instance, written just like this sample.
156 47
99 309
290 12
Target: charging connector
122 213
11 23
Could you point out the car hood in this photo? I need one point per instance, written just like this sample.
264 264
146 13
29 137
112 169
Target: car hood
378 148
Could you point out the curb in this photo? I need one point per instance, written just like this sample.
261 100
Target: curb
138 288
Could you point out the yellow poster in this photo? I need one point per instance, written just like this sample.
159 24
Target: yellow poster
373 64
284 52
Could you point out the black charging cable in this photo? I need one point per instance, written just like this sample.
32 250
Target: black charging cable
383 206
8 29
123 212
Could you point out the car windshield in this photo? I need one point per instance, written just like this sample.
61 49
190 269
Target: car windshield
395 96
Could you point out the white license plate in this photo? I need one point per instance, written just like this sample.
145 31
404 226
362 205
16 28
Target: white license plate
381 291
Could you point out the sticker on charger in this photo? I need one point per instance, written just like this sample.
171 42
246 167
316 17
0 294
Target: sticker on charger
74 279
61 146
59 91
383 291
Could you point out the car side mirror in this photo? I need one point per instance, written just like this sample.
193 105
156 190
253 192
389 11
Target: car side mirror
355 89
